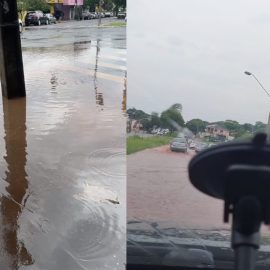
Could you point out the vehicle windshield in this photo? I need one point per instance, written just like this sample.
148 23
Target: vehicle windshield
186 74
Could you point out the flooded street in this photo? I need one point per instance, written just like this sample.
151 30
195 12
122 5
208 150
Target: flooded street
62 152
163 172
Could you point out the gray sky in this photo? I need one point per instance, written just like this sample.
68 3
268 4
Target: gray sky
195 52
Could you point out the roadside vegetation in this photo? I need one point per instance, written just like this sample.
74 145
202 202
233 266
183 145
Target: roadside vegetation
137 143
115 24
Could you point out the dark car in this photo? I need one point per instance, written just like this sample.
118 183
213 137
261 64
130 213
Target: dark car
200 147
51 18
36 18
121 15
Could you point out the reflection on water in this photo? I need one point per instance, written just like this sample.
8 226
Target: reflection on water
54 82
99 95
64 176
99 99
124 100
16 177
80 45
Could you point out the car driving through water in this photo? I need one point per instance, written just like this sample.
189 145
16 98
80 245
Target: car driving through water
179 145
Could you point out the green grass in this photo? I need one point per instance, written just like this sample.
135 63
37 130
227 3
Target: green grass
116 24
136 143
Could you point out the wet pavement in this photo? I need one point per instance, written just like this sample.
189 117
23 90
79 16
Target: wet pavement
170 223
168 197
62 152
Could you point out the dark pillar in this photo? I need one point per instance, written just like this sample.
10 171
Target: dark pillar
13 203
11 64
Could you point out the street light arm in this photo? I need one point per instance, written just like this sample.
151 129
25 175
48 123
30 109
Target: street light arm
260 85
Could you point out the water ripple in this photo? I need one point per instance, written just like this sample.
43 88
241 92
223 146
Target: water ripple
109 161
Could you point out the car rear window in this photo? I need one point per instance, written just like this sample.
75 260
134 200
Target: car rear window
180 140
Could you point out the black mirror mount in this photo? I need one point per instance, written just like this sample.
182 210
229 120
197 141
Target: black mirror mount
239 174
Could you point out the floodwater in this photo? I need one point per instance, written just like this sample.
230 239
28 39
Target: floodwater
62 152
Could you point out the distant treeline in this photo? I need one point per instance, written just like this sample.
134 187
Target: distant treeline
172 119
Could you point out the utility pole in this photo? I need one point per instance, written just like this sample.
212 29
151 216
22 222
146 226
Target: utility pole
11 63
99 13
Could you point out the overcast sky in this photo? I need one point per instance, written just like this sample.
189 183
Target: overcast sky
195 53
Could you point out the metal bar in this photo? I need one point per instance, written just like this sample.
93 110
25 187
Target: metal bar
245 258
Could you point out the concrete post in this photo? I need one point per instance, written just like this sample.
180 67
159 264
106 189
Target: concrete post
11 63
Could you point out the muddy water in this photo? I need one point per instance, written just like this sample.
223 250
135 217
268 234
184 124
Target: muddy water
62 153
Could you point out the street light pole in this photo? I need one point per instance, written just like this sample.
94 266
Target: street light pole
99 13
268 94
251 74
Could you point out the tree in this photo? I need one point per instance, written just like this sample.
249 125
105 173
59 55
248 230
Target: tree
196 125
172 118
137 114
119 4
146 124
177 106
231 125
108 5
155 120
91 4
248 127
260 127
24 5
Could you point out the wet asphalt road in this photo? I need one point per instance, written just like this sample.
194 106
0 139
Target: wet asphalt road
62 152
159 191
165 213
168 197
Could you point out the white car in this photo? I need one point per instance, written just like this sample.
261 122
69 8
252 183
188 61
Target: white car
192 145
108 14
20 25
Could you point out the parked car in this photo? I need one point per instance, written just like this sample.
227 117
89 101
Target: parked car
20 26
93 15
121 15
36 18
179 144
107 14
86 15
51 18
192 145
